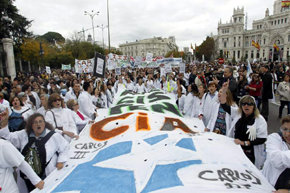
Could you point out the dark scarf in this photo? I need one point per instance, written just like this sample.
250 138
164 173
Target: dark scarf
241 126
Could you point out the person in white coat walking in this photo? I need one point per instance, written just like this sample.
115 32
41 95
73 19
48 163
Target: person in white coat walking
277 165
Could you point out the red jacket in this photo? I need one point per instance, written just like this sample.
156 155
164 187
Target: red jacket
258 86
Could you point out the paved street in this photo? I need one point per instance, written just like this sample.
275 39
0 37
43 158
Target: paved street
273 122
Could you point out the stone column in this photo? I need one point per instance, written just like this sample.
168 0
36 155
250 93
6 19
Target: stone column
285 53
10 62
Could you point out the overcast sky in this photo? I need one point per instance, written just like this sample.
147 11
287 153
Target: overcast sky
190 21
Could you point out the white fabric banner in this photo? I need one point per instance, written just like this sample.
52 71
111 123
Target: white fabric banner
144 144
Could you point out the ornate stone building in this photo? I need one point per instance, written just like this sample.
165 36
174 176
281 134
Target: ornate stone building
234 41
158 46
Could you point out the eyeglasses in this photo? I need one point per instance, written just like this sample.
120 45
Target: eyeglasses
249 104
37 122
285 130
56 100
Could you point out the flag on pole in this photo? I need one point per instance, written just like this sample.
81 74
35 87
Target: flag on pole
276 47
249 71
285 3
256 44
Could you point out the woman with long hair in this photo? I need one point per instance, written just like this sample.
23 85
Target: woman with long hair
220 121
250 130
52 154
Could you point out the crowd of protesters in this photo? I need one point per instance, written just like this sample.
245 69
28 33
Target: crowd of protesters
231 100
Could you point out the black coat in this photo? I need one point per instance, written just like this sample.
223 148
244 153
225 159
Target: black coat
267 92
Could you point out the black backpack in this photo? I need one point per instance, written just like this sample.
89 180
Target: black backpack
36 156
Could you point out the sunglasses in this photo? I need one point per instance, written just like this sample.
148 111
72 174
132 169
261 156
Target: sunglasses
249 104
286 130
56 100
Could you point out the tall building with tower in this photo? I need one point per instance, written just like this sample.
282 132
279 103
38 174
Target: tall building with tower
268 40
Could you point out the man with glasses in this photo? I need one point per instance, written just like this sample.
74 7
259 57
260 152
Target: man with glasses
277 165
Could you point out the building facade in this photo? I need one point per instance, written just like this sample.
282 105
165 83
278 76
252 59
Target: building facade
158 46
234 41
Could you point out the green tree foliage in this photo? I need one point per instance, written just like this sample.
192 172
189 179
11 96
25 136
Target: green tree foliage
206 48
12 24
175 54
51 37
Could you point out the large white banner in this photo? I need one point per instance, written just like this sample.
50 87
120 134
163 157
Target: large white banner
144 144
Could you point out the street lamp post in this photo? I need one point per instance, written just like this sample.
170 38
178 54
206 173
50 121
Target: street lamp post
92 14
102 27
108 18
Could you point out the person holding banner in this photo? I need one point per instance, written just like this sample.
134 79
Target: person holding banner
188 101
130 84
140 87
277 164
53 154
250 129
209 99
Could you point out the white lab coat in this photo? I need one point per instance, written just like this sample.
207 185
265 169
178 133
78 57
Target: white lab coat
104 100
149 85
6 104
63 118
261 132
197 106
86 104
207 106
157 84
130 86
181 102
37 99
109 98
230 121
78 121
70 95
25 115
9 158
188 101
278 158
55 144
41 110
140 88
